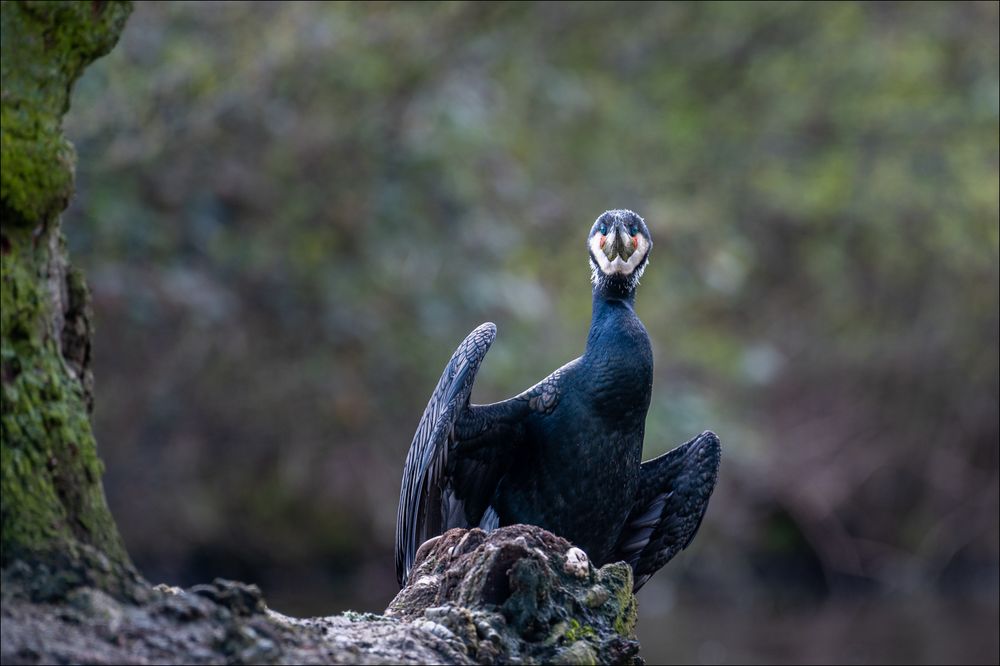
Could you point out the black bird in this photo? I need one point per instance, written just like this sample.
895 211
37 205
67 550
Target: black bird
566 453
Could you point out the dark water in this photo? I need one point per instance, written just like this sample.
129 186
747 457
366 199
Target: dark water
924 631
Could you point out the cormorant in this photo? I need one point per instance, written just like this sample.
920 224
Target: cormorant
566 453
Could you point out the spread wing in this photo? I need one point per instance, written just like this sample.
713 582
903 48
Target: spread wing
422 511
458 454
460 451
673 495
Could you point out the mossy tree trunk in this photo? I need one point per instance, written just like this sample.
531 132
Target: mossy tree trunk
53 508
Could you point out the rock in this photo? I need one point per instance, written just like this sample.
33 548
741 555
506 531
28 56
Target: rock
520 587
240 598
516 595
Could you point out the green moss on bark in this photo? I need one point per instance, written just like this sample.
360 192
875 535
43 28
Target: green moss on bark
46 45
51 473
53 507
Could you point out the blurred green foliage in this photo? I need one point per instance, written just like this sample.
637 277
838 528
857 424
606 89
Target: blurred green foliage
292 213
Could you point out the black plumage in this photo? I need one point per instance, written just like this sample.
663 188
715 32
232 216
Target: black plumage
566 453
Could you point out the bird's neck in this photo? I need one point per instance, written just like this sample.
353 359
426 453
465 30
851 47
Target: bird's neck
618 360
612 289
609 310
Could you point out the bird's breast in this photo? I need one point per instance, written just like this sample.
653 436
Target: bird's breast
619 379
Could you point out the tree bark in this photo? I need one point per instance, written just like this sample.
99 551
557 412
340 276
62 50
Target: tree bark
54 513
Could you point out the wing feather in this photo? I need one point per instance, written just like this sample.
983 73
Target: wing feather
427 506
673 495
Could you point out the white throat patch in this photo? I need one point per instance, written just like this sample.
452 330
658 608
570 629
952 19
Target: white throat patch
619 266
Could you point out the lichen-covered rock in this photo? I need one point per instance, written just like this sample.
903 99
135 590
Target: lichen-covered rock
520 593
502 597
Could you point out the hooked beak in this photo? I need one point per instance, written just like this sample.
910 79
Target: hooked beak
618 252
618 243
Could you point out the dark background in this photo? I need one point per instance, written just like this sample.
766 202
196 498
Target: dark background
290 215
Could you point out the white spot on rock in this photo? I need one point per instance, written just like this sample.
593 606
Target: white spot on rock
577 563
426 581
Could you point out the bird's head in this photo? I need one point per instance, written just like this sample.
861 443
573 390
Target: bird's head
619 245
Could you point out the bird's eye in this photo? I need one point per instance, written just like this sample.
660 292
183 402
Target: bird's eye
604 229
633 230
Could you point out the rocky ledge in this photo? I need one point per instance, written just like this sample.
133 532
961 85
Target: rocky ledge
516 595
